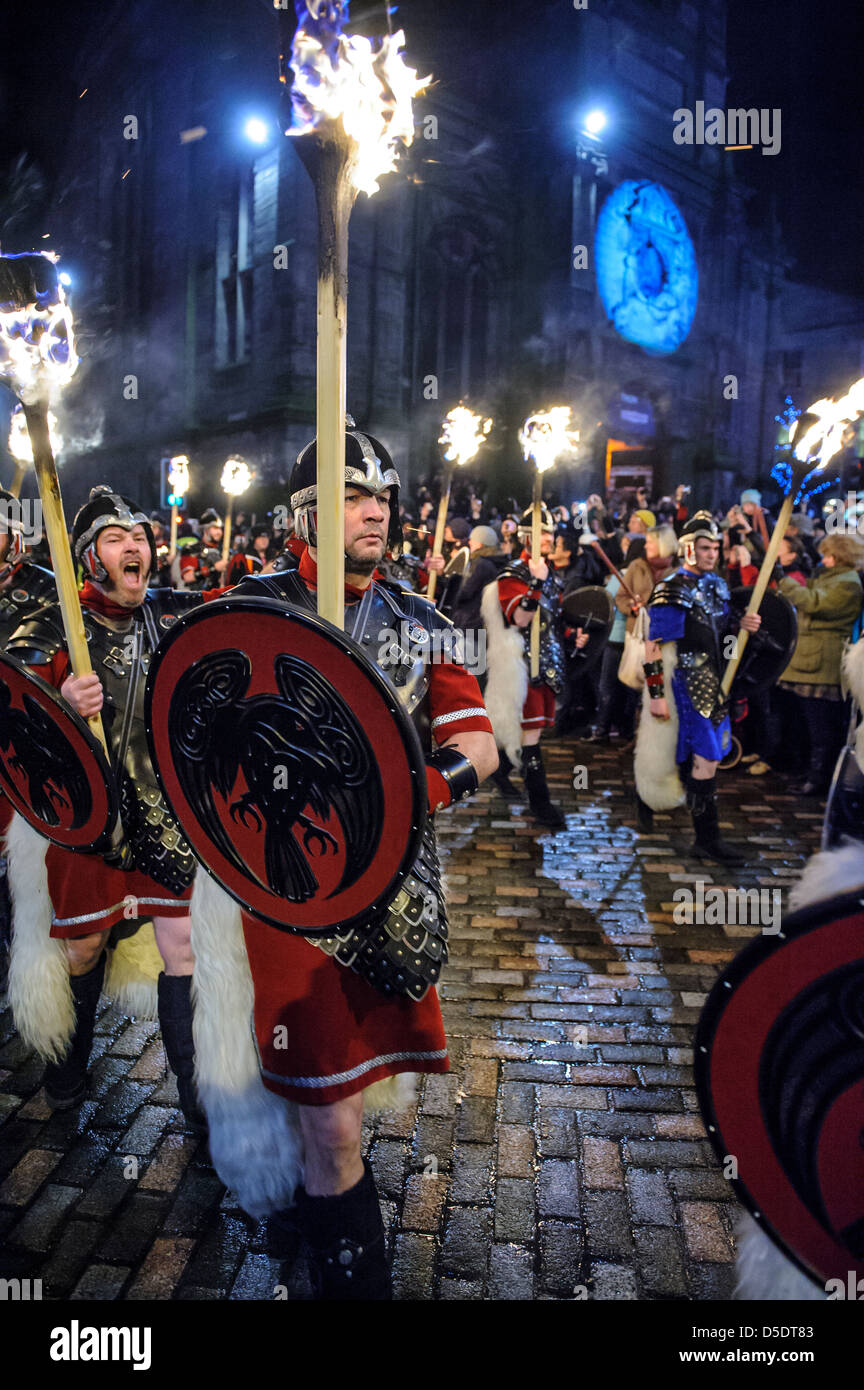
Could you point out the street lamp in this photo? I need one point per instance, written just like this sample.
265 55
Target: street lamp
256 130
595 122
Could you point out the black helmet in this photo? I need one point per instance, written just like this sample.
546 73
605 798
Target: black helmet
210 517
105 508
700 526
367 465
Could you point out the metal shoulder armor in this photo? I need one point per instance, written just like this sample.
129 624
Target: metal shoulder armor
38 640
678 591
162 608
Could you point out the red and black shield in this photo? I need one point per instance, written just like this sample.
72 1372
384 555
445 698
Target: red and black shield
52 769
288 761
780 1077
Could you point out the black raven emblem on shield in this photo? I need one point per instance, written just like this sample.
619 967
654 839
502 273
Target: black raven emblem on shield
42 754
303 755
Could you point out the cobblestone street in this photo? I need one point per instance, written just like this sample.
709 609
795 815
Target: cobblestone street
563 1156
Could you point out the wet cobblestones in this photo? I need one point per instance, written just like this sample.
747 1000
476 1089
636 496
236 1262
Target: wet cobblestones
562 1157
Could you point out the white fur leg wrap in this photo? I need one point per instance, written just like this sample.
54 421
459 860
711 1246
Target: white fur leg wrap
654 766
507 684
764 1272
255 1138
39 991
828 874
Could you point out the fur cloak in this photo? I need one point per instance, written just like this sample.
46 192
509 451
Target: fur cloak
654 765
255 1139
507 683
38 988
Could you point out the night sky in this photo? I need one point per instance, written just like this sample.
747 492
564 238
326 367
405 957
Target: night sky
800 55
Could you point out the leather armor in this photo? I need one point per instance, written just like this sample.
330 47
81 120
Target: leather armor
552 661
402 949
705 600
30 588
120 655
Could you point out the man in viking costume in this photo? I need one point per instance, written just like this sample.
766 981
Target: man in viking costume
358 1006
24 587
521 708
685 719
198 565
77 899
780 1064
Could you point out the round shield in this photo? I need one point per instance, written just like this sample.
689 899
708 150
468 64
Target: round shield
592 609
780 1078
52 769
288 761
768 651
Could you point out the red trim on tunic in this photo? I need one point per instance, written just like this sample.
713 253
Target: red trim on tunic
340 1034
83 885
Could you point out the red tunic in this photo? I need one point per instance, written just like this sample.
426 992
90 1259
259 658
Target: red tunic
323 1033
87 895
538 711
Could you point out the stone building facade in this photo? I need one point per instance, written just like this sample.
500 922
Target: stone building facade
194 258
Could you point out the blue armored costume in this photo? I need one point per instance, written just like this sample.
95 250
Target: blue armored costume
693 610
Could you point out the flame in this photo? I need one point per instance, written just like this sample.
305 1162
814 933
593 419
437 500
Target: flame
463 432
178 475
236 476
824 438
37 344
19 444
370 89
545 436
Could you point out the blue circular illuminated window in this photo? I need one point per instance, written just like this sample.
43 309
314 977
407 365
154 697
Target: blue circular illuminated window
646 266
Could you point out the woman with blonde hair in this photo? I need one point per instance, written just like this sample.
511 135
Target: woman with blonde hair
828 608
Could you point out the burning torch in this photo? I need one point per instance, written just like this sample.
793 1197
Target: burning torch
178 481
37 353
21 448
815 437
544 438
236 478
463 433
351 105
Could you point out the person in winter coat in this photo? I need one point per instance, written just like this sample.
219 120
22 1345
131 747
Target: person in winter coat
828 608
485 562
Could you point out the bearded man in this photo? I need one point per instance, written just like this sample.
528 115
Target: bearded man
362 1002
148 873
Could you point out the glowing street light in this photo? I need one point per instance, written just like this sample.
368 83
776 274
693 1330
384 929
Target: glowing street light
256 130
595 122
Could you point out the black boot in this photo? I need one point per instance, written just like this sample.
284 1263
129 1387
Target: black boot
345 1236
702 801
66 1082
175 1021
501 777
645 815
534 776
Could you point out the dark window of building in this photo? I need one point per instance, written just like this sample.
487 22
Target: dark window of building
793 364
234 255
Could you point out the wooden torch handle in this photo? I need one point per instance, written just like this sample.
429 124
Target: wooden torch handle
61 555
536 533
440 526
759 590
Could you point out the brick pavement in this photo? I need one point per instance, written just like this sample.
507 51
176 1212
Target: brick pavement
563 1156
